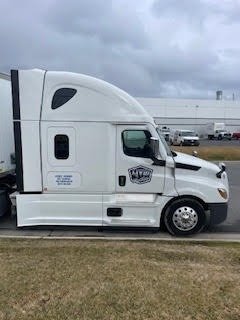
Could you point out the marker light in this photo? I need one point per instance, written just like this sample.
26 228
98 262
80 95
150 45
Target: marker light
223 193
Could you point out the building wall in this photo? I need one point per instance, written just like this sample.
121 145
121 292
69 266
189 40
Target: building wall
193 113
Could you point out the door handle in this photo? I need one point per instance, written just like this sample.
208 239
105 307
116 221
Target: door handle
122 181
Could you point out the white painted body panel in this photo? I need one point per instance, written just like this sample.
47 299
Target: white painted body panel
95 101
59 209
31 156
6 126
139 210
91 162
202 183
31 93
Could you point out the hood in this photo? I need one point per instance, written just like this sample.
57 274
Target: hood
188 162
190 137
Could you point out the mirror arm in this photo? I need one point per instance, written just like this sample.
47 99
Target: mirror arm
157 162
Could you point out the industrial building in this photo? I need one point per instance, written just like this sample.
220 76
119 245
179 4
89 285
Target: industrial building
193 113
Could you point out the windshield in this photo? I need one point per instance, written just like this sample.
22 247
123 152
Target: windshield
164 142
188 133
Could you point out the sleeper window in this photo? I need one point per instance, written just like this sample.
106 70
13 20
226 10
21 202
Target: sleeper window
61 96
136 143
61 146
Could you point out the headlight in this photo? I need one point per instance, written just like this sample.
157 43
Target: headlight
223 193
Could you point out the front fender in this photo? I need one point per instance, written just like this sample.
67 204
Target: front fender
204 189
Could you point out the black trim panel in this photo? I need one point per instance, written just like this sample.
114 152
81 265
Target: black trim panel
114 212
15 95
18 155
218 212
157 162
187 166
17 129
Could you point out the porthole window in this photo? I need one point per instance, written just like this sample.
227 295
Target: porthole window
61 96
61 146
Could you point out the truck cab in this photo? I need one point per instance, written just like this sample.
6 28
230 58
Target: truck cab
88 154
223 134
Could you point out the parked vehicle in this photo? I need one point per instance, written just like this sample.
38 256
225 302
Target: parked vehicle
88 154
236 135
165 132
217 130
182 137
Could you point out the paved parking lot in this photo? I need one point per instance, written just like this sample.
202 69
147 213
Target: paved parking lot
220 143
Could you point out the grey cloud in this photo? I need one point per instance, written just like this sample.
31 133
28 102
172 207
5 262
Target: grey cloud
193 11
99 19
143 55
198 11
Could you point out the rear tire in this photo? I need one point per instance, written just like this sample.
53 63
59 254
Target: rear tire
185 217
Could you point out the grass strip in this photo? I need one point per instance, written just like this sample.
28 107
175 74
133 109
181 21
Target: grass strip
89 279
227 153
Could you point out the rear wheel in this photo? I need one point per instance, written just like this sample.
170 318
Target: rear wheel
185 217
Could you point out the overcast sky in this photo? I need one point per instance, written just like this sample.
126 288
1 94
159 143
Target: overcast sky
150 48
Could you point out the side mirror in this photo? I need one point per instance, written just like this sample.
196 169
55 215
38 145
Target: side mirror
154 143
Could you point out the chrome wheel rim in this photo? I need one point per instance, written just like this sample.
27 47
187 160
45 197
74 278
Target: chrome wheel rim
185 218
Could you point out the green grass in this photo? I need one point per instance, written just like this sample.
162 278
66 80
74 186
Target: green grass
213 153
83 279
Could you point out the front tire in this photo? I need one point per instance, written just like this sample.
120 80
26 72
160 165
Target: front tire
185 217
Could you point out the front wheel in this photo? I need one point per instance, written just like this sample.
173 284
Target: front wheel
185 217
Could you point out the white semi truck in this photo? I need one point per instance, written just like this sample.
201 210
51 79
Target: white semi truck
88 154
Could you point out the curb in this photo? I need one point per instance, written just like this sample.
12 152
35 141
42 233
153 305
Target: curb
168 238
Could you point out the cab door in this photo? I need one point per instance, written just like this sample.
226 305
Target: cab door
135 172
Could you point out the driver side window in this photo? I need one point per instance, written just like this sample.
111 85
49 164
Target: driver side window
136 143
